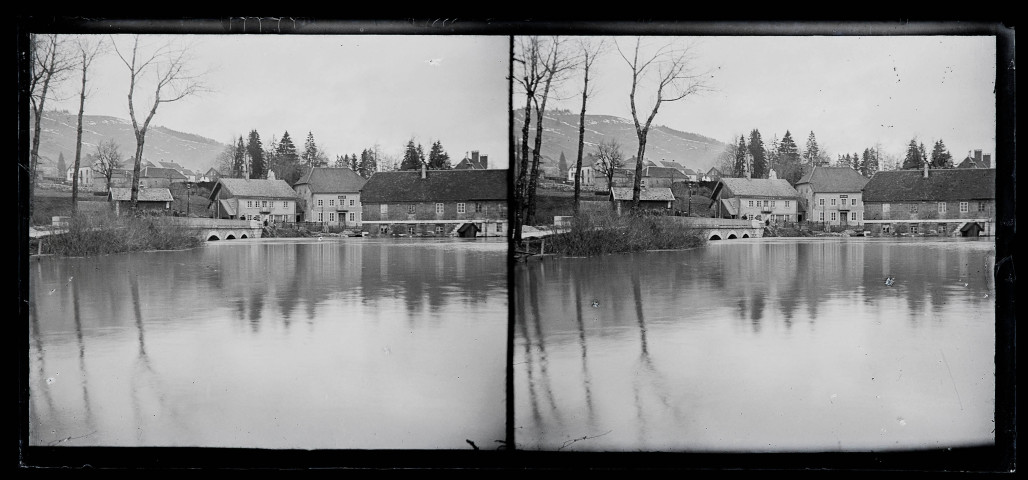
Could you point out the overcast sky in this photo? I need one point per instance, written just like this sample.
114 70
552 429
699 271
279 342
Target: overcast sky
350 92
851 91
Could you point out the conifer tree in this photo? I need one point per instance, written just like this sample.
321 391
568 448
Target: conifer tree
438 159
62 167
941 158
912 161
562 166
812 154
254 148
355 163
239 160
757 153
788 165
739 165
411 159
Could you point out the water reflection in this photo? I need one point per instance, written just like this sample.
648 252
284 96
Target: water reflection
200 348
627 344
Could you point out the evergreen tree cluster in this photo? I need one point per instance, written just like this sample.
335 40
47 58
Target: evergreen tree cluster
414 157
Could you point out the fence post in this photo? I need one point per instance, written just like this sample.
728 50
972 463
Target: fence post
542 246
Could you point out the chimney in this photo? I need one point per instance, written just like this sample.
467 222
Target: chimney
987 160
977 156
485 161
925 169
423 174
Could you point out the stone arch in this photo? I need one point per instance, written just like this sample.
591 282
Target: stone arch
212 236
230 236
732 235
242 236
745 235
714 235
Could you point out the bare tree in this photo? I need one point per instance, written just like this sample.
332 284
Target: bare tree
107 159
170 75
528 77
590 50
87 48
556 63
671 68
50 62
609 160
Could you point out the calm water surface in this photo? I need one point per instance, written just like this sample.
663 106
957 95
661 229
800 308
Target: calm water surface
759 345
279 343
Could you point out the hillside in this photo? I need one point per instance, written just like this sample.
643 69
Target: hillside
58 136
561 135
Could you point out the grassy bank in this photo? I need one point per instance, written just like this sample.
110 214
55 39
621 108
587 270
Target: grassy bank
104 233
602 234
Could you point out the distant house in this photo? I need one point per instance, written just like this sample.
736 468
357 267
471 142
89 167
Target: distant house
436 203
153 177
664 177
86 174
171 165
245 199
712 175
212 175
331 196
475 162
976 160
952 202
587 178
832 196
655 199
150 199
766 199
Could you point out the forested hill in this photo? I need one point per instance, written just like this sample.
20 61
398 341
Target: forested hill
561 135
58 132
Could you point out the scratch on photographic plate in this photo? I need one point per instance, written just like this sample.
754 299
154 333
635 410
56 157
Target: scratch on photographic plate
951 379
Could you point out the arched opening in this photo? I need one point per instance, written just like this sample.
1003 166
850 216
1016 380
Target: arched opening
213 238
731 236
242 236
714 237
745 235
230 237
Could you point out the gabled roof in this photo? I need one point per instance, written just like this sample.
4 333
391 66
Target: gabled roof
970 162
834 179
156 172
662 172
661 194
941 184
756 187
438 186
171 165
122 194
468 164
332 180
255 188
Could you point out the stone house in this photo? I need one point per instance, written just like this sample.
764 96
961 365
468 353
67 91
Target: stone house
832 196
253 199
436 203
658 199
950 202
767 199
330 196
156 200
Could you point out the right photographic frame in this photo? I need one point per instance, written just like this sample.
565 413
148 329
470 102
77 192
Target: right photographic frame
762 240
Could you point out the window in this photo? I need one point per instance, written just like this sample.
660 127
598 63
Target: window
383 229
351 202
822 216
410 230
913 208
833 202
352 216
285 204
885 208
751 203
772 203
886 228
320 217
438 208
438 229
853 216
383 209
963 207
833 216
942 207
460 208
981 206
821 202
264 203
331 216
853 201
478 207
412 208
786 204
249 204
765 203
331 202
320 202
341 198
914 229
499 228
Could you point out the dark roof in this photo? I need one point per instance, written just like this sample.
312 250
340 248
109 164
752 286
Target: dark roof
332 180
661 194
143 195
970 162
156 172
242 187
834 179
469 164
941 184
663 172
438 186
757 187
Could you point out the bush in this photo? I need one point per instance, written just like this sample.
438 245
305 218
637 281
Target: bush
103 233
599 234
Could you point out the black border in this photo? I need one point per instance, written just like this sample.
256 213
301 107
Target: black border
999 458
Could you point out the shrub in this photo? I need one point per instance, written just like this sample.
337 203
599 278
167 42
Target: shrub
599 234
103 233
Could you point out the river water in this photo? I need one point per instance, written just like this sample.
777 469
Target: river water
348 343
759 345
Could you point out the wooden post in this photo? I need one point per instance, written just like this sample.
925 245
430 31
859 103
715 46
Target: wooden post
542 246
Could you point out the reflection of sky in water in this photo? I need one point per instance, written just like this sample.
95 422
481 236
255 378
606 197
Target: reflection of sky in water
340 344
762 345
